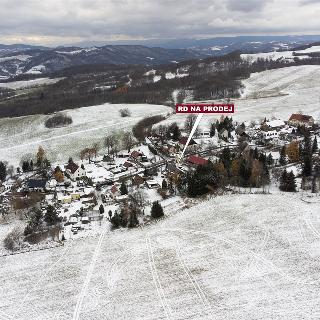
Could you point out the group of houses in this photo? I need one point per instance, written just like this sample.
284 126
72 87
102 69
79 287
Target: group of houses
77 188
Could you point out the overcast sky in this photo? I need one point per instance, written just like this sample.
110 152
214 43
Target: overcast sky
53 22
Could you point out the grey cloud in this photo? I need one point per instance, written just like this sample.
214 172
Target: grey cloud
59 21
306 2
246 5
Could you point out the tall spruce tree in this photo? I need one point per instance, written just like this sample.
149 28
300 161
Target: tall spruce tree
212 130
315 145
244 173
225 158
123 189
101 209
156 210
283 160
51 216
3 171
175 131
203 177
287 182
314 185
164 184
270 159
306 155
133 220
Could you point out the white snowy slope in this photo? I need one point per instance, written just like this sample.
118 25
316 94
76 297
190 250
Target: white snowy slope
29 83
233 257
274 93
21 57
23 135
285 55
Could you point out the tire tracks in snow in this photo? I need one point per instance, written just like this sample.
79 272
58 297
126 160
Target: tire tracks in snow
77 311
312 228
202 296
156 280
186 278
40 279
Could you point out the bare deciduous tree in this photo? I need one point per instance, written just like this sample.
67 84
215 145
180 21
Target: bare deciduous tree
128 140
109 142
189 123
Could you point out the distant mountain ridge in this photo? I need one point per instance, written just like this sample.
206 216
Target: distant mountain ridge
23 59
16 61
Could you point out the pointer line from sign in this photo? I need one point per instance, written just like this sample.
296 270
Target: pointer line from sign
195 126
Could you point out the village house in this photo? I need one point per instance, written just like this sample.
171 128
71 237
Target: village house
128 165
136 155
273 125
137 180
123 154
244 136
298 119
268 135
38 185
51 184
114 191
152 184
75 196
94 215
122 198
224 134
169 149
240 130
203 133
195 161
183 142
74 171
64 198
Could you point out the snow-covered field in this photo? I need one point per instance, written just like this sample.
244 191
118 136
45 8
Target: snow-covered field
21 136
233 257
29 83
274 93
287 55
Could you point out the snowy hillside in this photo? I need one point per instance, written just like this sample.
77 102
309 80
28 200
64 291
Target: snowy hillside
229 258
28 83
274 93
286 55
21 136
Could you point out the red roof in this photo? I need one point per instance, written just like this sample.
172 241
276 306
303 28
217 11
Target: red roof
135 154
128 164
114 189
197 160
72 167
183 140
300 117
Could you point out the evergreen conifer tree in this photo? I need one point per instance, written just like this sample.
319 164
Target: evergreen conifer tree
123 189
282 160
3 171
164 184
287 182
315 145
133 220
156 210
270 159
51 216
101 209
176 133
244 173
212 130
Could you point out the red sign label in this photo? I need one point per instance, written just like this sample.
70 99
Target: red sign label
204 108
